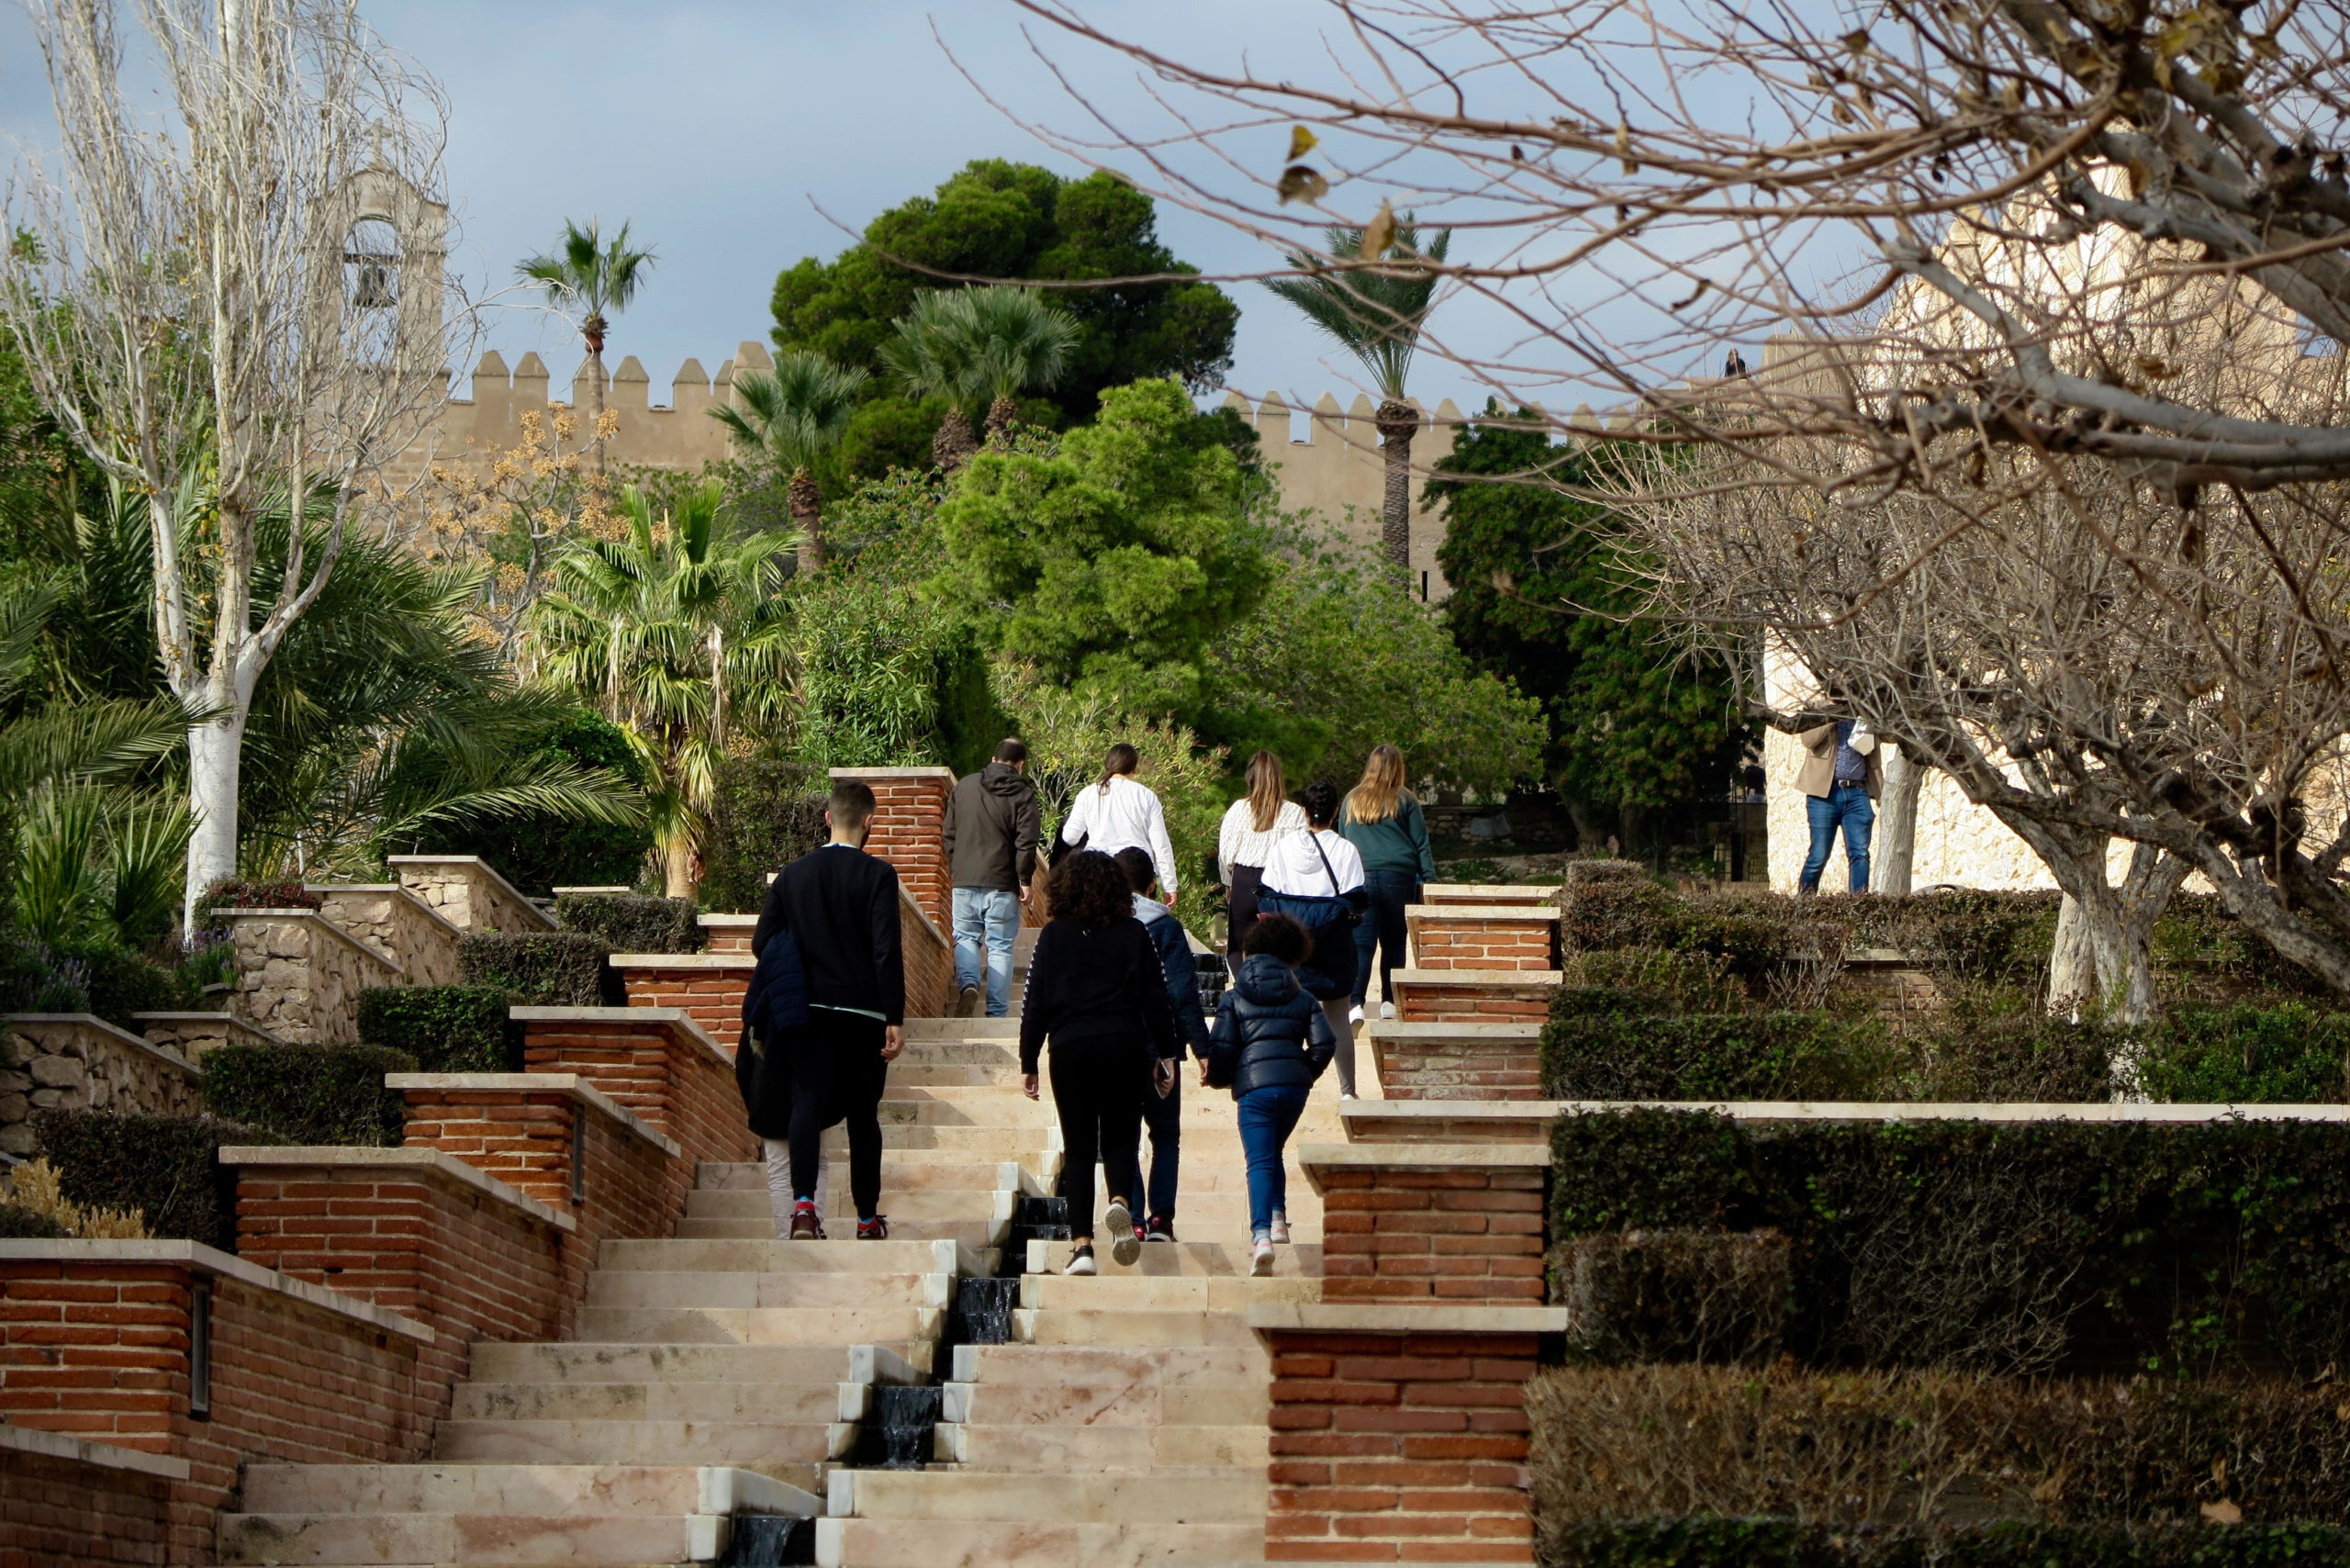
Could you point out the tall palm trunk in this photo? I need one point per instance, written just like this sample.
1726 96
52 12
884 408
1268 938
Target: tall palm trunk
1397 422
953 445
808 516
1000 414
596 405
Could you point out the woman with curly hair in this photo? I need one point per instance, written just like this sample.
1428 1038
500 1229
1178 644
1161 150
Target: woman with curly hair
1096 990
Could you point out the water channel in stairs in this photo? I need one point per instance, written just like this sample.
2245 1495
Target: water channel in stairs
770 1540
900 1430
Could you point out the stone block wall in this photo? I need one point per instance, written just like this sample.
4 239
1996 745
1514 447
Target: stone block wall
1459 1061
1473 996
707 987
394 922
1483 937
192 1034
72 1061
66 1501
299 974
1431 1222
908 817
466 891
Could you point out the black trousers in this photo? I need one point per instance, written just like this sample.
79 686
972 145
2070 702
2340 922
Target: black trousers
837 1075
1164 1117
1240 909
1098 1085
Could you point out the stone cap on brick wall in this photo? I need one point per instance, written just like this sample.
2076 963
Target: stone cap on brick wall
1432 1318
605 887
1503 1114
1506 1119
1503 1031
357 1161
675 1018
39 1024
872 775
569 1083
80 1451
1472 914
196 1257
682 961
1486 893
1496 979
1429 1156
727 921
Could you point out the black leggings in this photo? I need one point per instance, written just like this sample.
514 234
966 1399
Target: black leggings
837 1075
1098 1085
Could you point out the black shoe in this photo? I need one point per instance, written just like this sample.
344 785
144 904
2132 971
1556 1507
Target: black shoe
968 1003
1160 1228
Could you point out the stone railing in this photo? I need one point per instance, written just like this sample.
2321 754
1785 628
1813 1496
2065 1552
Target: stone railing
468 894
193 1035
394 920
299 974
72 1061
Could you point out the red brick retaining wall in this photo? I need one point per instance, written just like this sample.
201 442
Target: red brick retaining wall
1473 936
1490 996
908 817
707 987
1428 1223
1485 1060
66 1501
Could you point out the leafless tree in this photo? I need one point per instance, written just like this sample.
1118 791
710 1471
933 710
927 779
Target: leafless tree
239 309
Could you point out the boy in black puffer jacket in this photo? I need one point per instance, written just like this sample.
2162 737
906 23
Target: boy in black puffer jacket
1270 1043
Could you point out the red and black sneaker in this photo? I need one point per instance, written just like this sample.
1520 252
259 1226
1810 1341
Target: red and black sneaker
874 1229
1160 1228
805 1226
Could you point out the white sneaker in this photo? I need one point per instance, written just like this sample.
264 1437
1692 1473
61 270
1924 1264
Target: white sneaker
1261 1262
1387 1011
1354 1016
1081 1263
1124 1246
1280 1232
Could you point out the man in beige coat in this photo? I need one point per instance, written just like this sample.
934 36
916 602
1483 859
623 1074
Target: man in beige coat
1840 776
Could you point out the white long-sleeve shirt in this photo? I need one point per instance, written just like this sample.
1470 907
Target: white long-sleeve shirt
1238 842
1297 869
1122 815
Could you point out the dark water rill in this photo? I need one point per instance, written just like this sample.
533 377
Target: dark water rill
900 1431
770 1540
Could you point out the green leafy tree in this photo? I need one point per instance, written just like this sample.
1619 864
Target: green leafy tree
882 671
679 634
999 219
1541 595
1376 313
599 276
1338 658
1111 562
792 416
979 344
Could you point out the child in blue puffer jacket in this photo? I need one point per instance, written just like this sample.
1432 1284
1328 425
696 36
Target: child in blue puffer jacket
1270 1043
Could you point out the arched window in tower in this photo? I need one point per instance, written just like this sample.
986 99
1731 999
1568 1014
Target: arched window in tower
371 266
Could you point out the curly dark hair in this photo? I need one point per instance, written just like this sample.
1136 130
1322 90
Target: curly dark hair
1279 936
1091 888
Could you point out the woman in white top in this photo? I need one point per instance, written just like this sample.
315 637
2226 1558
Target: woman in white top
1251 826
1121 814
1315 879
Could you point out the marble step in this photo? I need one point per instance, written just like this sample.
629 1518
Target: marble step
507 1541
704 1289
900 1204
759 1326
587 1362
1112 1326
919 1031
1078 1401
975 1235
1046 1539
948 1106
1013 1367
546 1491
789 1449
1188 1257
901 1169
789 1403
1131 1292
1170 1496
1063 1449
769 1256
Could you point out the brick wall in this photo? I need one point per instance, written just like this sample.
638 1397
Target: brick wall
66 1501
1401 1444
728 932
1469 936
1459 1061
94 1339
930 960
1429 1223
909 815
1435 996
707 986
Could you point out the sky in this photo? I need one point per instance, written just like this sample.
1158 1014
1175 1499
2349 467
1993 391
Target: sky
738 136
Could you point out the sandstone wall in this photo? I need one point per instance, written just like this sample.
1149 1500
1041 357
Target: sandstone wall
394 921
299 974
70 1061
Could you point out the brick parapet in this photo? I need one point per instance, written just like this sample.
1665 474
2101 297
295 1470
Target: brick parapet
1431 1222
66 1501
1485 1060
709 987
728 932
1470 996
1482 936
908 829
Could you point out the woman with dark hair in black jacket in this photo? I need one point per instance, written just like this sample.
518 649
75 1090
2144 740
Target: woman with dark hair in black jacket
1096 988
1271 1041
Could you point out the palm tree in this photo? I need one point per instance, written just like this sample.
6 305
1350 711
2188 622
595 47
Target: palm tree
602 276
792 415
679 634
1376 313
972 344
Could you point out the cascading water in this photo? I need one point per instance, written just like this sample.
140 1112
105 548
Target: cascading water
901 1429
770 1540
983 1310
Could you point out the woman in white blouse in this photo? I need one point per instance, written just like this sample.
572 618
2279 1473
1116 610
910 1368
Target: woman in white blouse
1121 813
1252 825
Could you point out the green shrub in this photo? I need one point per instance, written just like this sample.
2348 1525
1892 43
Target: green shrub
1612 1055
1704 1542
1646 980
2290 1054
23 1225
563 968
1966 935
2007 1247
1674 1295
447 1028
765 813
1601 913
633 924
310 1094
101 977
233 894
167 1168
31 981
1972 1053
539 852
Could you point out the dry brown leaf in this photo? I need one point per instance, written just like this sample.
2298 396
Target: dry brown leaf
1299 182
2222 1512
1379 233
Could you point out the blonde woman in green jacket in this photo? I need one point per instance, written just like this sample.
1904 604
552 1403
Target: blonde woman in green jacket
1382 821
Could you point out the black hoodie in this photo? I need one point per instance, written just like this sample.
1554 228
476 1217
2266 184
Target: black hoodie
1268 1032
991 827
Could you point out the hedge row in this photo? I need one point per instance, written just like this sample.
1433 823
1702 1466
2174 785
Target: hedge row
1630 1040
167 1168
447 1028
310 1094
1627 1443
1704 1542
2010 1248
630 923
564 968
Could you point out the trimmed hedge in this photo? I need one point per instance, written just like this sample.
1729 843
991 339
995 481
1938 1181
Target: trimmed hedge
2292 1054
256 895
763 815
633 923
167 1168
2013 1247
1709 1542
1607 1054
1901 1448
447 1028
1674 1295
563 968
310 1094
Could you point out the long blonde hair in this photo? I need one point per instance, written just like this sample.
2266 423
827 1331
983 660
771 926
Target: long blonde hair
1375 797
1268 791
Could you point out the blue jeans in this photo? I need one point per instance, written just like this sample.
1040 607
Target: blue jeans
1383 926
992 915
1847 805
1266 1118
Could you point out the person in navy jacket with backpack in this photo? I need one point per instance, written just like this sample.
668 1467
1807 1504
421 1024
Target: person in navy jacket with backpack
1271 1041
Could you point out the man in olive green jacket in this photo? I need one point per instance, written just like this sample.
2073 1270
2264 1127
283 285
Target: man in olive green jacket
1840 778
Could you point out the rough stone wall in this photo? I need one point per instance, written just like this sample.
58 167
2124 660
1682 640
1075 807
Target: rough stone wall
1471 996
75 1062
299 977
466 891
58 1510
397 922
192 1034
1401 1232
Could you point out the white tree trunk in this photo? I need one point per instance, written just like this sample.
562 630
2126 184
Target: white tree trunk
1895 850
2072 965
215 755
